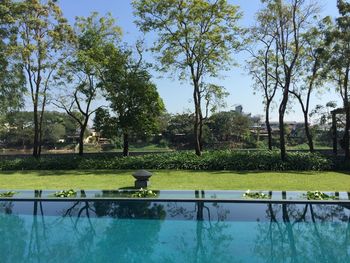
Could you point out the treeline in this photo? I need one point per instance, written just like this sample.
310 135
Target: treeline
293 53
70 67
221 130
17 133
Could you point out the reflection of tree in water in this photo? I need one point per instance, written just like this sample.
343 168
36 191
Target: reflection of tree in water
130 231
68 236
82 228
211 240
133 230
76 236
304 233
13 235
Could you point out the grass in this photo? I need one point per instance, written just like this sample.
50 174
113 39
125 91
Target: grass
305 146
169 179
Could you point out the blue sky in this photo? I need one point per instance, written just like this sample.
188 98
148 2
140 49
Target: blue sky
176 94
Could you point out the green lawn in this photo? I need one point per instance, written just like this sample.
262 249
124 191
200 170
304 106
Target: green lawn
225 180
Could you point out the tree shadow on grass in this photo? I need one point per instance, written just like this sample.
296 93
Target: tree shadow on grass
249 172
343 172
129 172
68 172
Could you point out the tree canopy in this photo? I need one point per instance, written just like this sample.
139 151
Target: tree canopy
195 39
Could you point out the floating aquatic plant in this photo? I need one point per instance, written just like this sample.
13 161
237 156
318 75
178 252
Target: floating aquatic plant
65 193
256 195
142 193
8 194
318 195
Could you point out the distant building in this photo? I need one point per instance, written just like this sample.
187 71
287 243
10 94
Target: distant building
292 125
239 109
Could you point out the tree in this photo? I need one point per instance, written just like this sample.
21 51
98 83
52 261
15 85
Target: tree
17 130
195 39
12 81
309 74
104 123
338 43
133 97
42 34
228 124
214 98
88 54
263 65
79 108
179 130
289 21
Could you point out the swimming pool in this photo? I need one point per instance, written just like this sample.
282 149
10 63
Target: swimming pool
200 230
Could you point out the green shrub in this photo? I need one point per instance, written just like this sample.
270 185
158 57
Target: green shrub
340 165
213 160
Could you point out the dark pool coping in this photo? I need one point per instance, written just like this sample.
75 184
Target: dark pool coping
224 196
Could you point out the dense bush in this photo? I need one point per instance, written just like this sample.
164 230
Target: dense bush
215 160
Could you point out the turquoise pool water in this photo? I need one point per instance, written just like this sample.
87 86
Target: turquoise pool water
150 231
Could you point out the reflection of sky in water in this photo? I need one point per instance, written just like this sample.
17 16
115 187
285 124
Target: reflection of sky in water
173 232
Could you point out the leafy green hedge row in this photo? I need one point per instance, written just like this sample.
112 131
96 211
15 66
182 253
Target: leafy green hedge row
215 160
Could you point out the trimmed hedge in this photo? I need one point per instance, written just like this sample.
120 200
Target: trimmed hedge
215 160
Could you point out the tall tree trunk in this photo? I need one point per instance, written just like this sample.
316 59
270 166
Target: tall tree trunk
346 133
40 132
81 137
347 115
36 132
268 125
282 111
41 119
334 133
201 123
81 142
81 145
37 118
125 143
40 142
196 97
310 141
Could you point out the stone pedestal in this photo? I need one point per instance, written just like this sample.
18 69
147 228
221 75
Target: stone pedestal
142 178
142 183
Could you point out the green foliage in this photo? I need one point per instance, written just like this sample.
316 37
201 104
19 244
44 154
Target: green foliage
42 34
94 35
105 124
318 195
256 195
338 66
195 40
18 128
214 96
229 126
191 32
179 130
8 194
143 193
65 193
133 97
12 80
216 160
